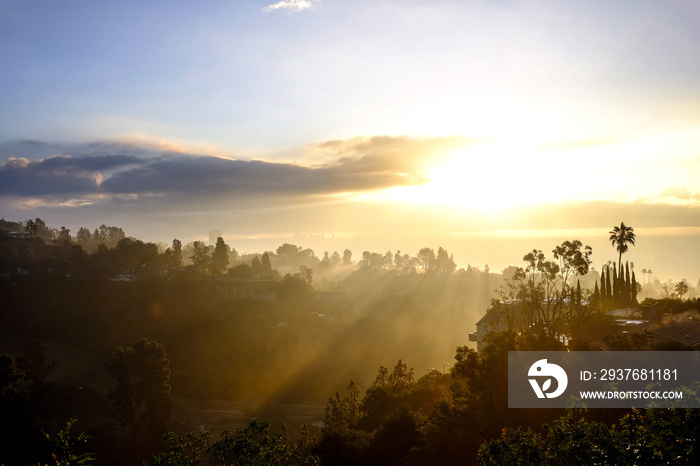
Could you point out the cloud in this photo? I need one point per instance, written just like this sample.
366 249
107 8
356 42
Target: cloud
60 174
291 5
126 171
679 192
389 153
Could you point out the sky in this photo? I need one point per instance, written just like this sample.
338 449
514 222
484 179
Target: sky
488 127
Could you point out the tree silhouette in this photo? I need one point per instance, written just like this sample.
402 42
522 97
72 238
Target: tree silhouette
64 446
681 288
142 373
573 259
36 365
31 228
9 376
201 258
266 266
122 396
219 259
621 237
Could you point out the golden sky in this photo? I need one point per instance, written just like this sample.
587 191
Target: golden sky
398 123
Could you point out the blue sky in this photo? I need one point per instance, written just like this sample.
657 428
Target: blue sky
126 111
233 76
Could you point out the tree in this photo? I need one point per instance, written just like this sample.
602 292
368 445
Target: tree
426 259
142 258
152 384
335 259
388 393
42 231
621 238
219 259
667 289
142 373
342 413
201 258
232 256
183 450
537 290
173 255
347 257
9 376
256 266
574 259
643 437
681 288
84 238
122 396
568 440
64 446
241 270
597 305
307 274
177 253
110 236
64 235
289 253
445 262
254 445
266 266
31 228
628 285
36 365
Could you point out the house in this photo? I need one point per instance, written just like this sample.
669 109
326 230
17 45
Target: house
682 328
124 275
502 316
596 336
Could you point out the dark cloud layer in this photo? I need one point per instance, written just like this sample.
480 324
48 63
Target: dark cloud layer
58 175
104 169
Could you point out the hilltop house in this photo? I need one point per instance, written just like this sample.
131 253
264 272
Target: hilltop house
502 316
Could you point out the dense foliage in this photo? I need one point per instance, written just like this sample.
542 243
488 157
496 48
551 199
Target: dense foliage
146 326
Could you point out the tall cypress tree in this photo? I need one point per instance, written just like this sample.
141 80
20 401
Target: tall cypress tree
616 287
634 289
628 284
622 297
578 293
597 301
603 289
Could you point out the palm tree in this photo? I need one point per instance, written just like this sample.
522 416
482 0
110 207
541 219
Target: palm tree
681 288
621 237
644 272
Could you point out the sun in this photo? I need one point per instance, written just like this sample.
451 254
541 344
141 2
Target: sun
493 177
490 178
479 178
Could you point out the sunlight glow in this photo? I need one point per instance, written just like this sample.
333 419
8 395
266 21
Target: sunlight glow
491 177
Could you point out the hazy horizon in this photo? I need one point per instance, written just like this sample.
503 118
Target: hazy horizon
488 128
